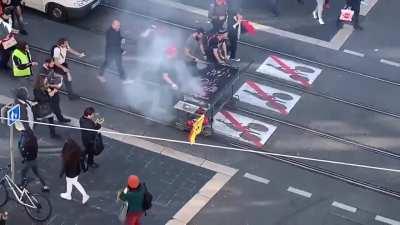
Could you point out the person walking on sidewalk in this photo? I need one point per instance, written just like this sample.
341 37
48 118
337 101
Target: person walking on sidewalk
317 13
59 54
28 147
114 52
72 166
88 137
134 195
355 6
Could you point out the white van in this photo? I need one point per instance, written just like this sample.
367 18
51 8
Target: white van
62 10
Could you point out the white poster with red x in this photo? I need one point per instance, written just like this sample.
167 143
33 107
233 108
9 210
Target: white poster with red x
242 128
289 70
267 97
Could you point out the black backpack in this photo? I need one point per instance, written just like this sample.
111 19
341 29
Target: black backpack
148 198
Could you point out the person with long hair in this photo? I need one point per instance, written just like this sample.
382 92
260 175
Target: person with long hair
43 94
72 165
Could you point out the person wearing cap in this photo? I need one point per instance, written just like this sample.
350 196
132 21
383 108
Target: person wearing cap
133 194
194 49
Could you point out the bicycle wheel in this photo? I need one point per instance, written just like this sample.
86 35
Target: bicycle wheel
43 208
3 194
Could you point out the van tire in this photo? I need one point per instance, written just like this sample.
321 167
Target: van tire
57 12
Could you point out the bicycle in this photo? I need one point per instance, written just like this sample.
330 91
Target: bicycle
36 206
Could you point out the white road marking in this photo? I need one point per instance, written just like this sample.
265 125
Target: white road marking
299 192
354 53
344 207
256 178
388 62
386 220
366 6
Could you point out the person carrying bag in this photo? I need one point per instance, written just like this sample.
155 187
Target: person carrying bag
134 196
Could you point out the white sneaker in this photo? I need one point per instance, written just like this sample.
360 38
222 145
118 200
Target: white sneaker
101 79
127 82
85 199
314 13
65 196
321 21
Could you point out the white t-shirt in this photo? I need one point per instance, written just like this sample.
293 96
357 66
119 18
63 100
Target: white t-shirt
60 54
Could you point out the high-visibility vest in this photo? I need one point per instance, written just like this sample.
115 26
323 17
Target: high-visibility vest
24 58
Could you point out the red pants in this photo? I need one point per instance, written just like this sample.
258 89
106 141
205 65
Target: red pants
133 218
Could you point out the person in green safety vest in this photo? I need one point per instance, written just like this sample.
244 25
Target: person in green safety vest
22 62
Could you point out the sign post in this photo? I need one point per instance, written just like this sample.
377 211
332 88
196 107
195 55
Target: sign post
13 115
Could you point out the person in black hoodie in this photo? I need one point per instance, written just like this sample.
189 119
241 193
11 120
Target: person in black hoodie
29 149
88 137
72 164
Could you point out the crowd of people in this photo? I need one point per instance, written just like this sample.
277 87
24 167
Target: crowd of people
217 46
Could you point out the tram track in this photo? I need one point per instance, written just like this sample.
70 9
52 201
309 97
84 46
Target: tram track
296 163
256 46
320 94
328 173
329 136
314 169
269 79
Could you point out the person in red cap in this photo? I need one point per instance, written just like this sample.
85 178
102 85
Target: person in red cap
134 195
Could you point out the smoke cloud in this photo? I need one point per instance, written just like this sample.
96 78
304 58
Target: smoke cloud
149 94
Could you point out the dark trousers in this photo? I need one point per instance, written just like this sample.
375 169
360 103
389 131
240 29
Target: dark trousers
113 57
233 39
52 128
89 151
68 84
17 18
5 57
31 165
356 16
55 106
274 6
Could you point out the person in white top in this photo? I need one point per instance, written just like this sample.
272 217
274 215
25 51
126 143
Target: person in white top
317 13
59 54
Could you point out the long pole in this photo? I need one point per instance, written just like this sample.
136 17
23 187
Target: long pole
12 153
